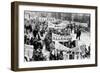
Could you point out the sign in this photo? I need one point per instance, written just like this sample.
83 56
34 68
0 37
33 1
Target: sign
28 51
56 37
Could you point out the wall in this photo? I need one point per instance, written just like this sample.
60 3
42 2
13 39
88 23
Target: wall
5 32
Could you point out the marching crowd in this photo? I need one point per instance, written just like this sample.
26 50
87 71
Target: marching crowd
37 34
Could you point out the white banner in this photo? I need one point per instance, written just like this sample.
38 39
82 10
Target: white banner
56 37
28 51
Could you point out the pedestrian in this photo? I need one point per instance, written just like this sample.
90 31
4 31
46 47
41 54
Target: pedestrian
78 33
71 27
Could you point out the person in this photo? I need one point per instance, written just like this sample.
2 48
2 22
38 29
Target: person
68 30
52 55
37 54
70 55
25 39
41 36
35 32
25 59
88 52
73 55
71 27
73 43
78 33
77 55
52 45
61 55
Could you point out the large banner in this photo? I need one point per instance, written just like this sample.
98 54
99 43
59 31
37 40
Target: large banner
28 51
56 37
61 47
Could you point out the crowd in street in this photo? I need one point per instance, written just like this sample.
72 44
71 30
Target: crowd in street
37 34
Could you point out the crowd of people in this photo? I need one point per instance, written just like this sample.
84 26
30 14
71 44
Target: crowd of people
37 34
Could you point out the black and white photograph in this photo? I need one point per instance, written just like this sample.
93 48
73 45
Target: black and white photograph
53 36
56 36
